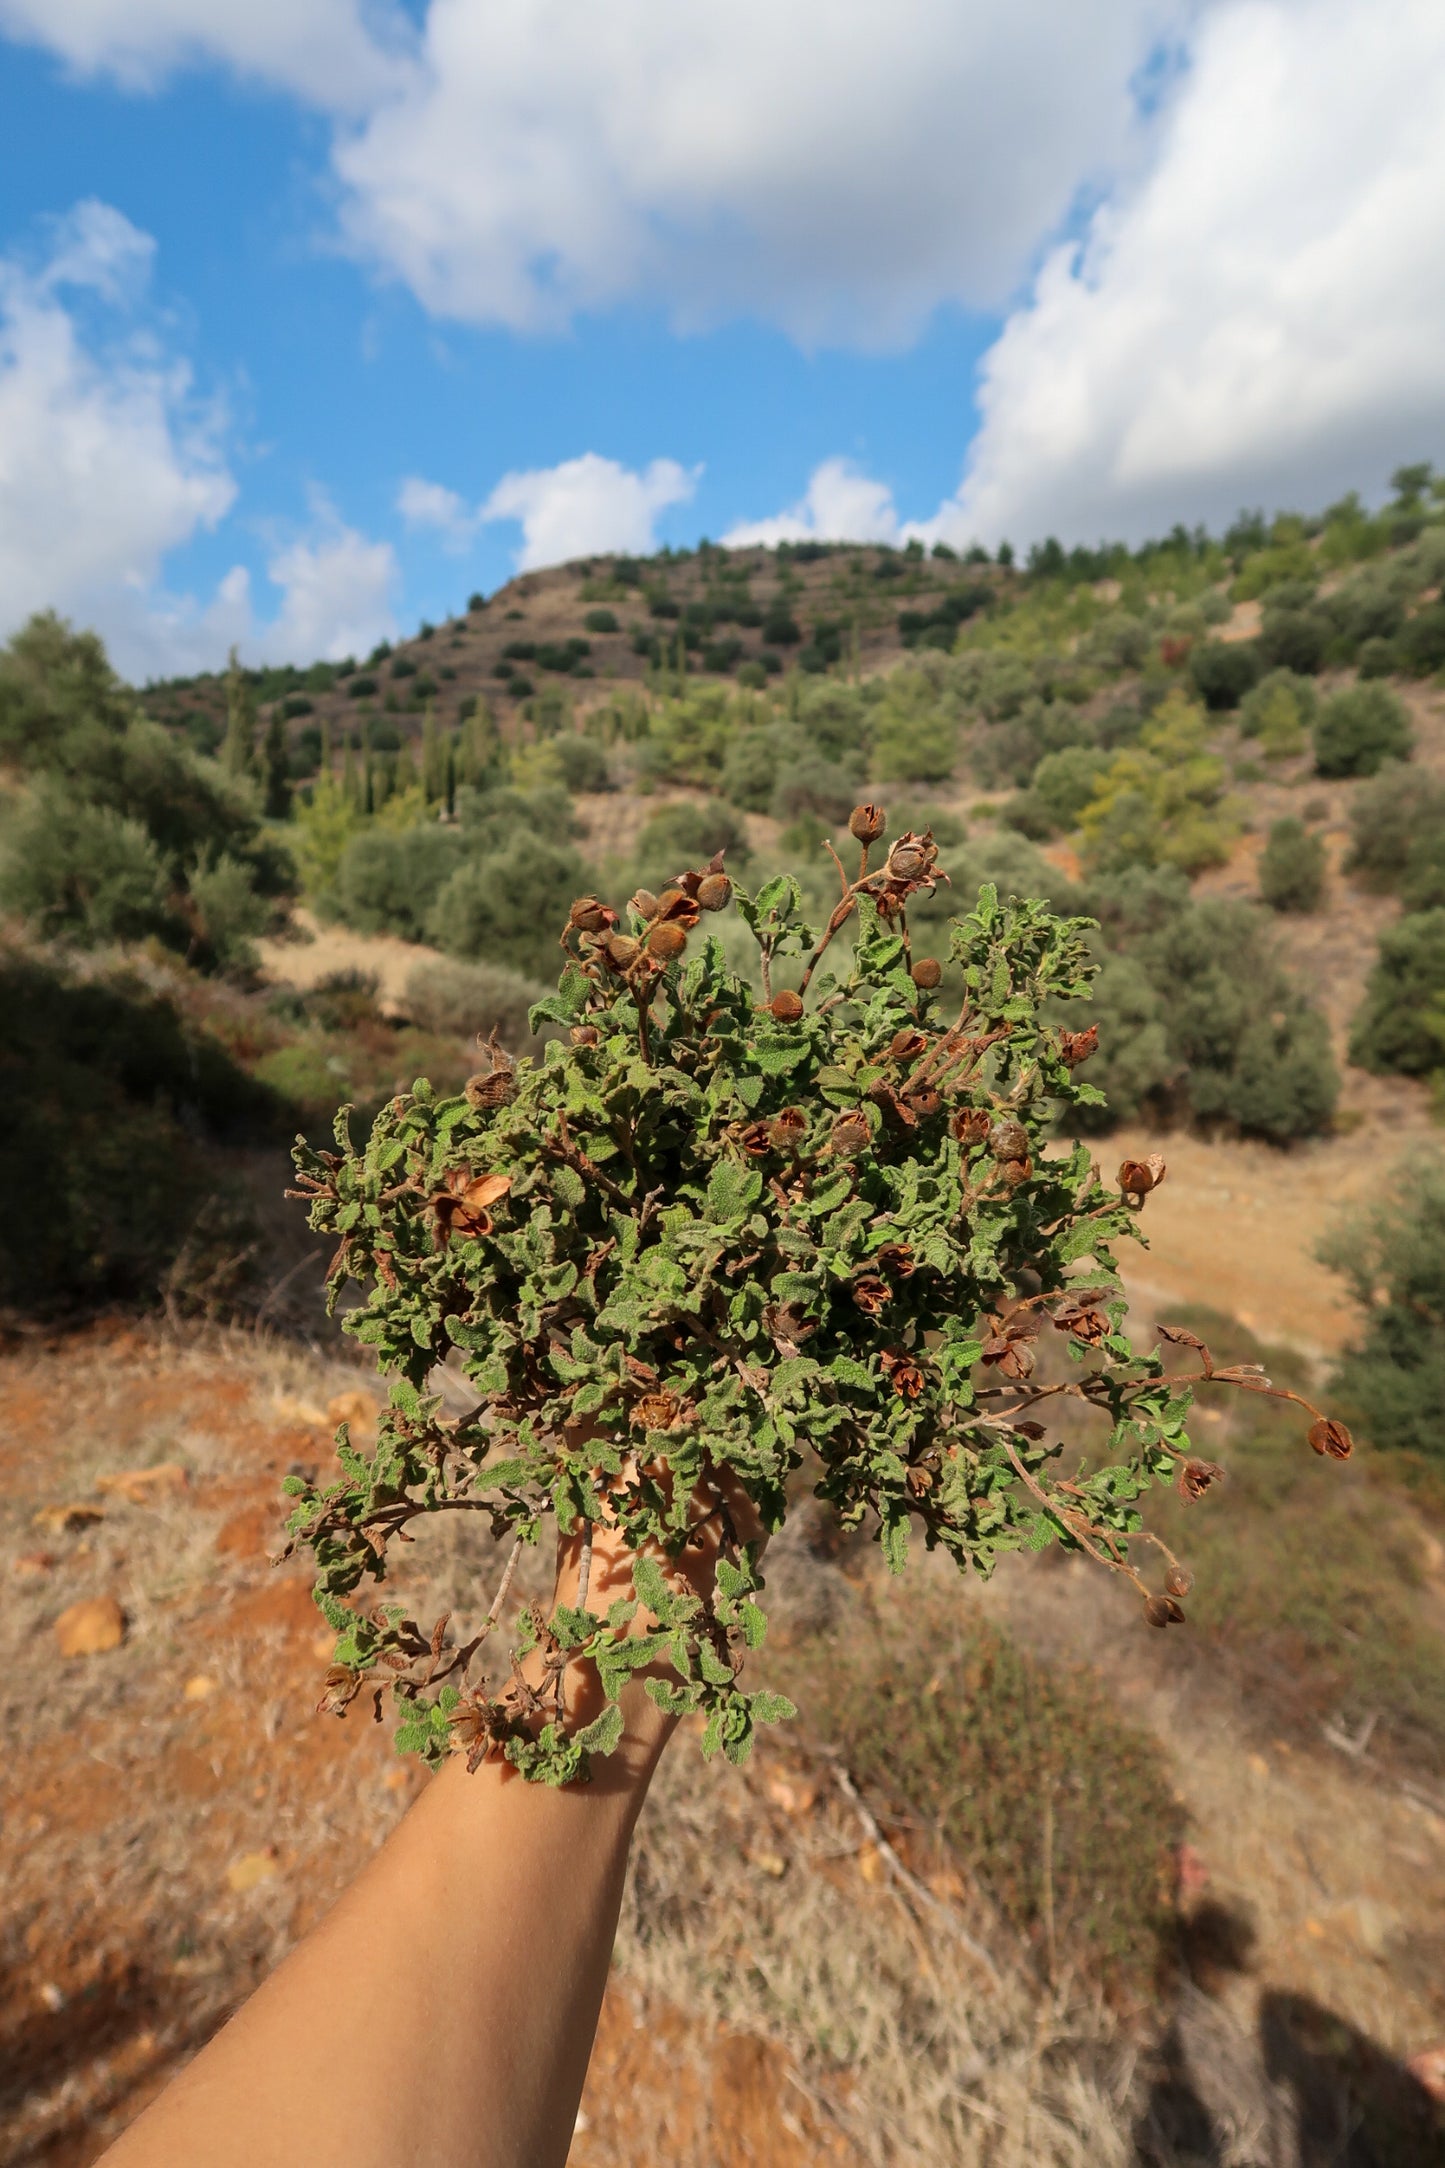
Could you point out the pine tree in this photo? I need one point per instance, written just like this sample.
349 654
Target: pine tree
433 759
238 753
276 767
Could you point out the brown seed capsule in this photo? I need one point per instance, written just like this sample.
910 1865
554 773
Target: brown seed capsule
902 1373
926 973
621 950
585 1035
644 903
870 1293
1008 1140
1331 1437
497 1089
1138 1176
786 1007
1178 1581
907 860
666 939
1013 1172
923 1101
1084 1320
1077 1046
850 1135
1195 1477
714 891
656 1411
1163 1611
971 1125
896 1259
676 903
756 1138
587 915
788 1129
905 1044
867 823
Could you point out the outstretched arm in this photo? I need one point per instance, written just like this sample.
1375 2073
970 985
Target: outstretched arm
443 2013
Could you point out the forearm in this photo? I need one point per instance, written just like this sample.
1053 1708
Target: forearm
444 2012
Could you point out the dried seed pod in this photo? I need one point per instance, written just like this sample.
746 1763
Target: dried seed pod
1331 1437
498 1088
1195 1477
714 891
902 1373
1138 1176
786 1007
585 1035
1008 1139
909 859
1084 1319
867 823
656 1411
1163 1611
1178 1581
788 1128
905 1044
666 939
924 1100
587 915
896 1259
971 1125
756 1138
1013 1172
926 973
870 1293
1077 1046
849 1135
644 903
621 950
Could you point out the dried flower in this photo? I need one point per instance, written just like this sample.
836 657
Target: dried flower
1084 1319
1138 1176
1077 1046
1195 1477
849 1135
656 1411
867 822
756 1138
786 1007
902 1373
1008 1140
496 1088
587 915
584 1035
788 1325
870 1293
971 1125
666 939
1330 1437
926 973
788 1128
460 1205
896 1259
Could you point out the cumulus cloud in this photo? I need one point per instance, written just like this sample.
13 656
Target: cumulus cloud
334 53
107 461
1261 317
587 505
431 505
839 505
834 167
336 596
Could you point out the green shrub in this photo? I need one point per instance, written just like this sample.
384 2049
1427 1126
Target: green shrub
388 880
1292 868
1400 1024
1387 816
1223 671
1295 639
1065 782
581 762
110 1110
811 783
1359 729
915 733
502 908
1023 1772
1392 1257
473 1000
82 871
600 621
1421 644
1278 711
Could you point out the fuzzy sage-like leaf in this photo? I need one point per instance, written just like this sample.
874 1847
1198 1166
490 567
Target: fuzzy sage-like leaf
720 1235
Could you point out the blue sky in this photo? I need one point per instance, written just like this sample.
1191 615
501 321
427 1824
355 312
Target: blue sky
287 294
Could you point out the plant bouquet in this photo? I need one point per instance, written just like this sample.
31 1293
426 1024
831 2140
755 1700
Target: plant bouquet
720 1233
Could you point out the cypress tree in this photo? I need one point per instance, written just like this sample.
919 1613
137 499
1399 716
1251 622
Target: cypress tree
276 769
238 753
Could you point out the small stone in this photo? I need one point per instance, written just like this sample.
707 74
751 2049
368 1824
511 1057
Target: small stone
90 1627
771 1864
250 1870
63 1520
200 1688
31 1565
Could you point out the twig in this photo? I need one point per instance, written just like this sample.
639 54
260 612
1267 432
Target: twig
501 1596
907 1882
584 1570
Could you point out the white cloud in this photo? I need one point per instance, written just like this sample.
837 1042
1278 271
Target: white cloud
587 505
835 167
1261 318
108 463
106 460
335 53
432 505
840 505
